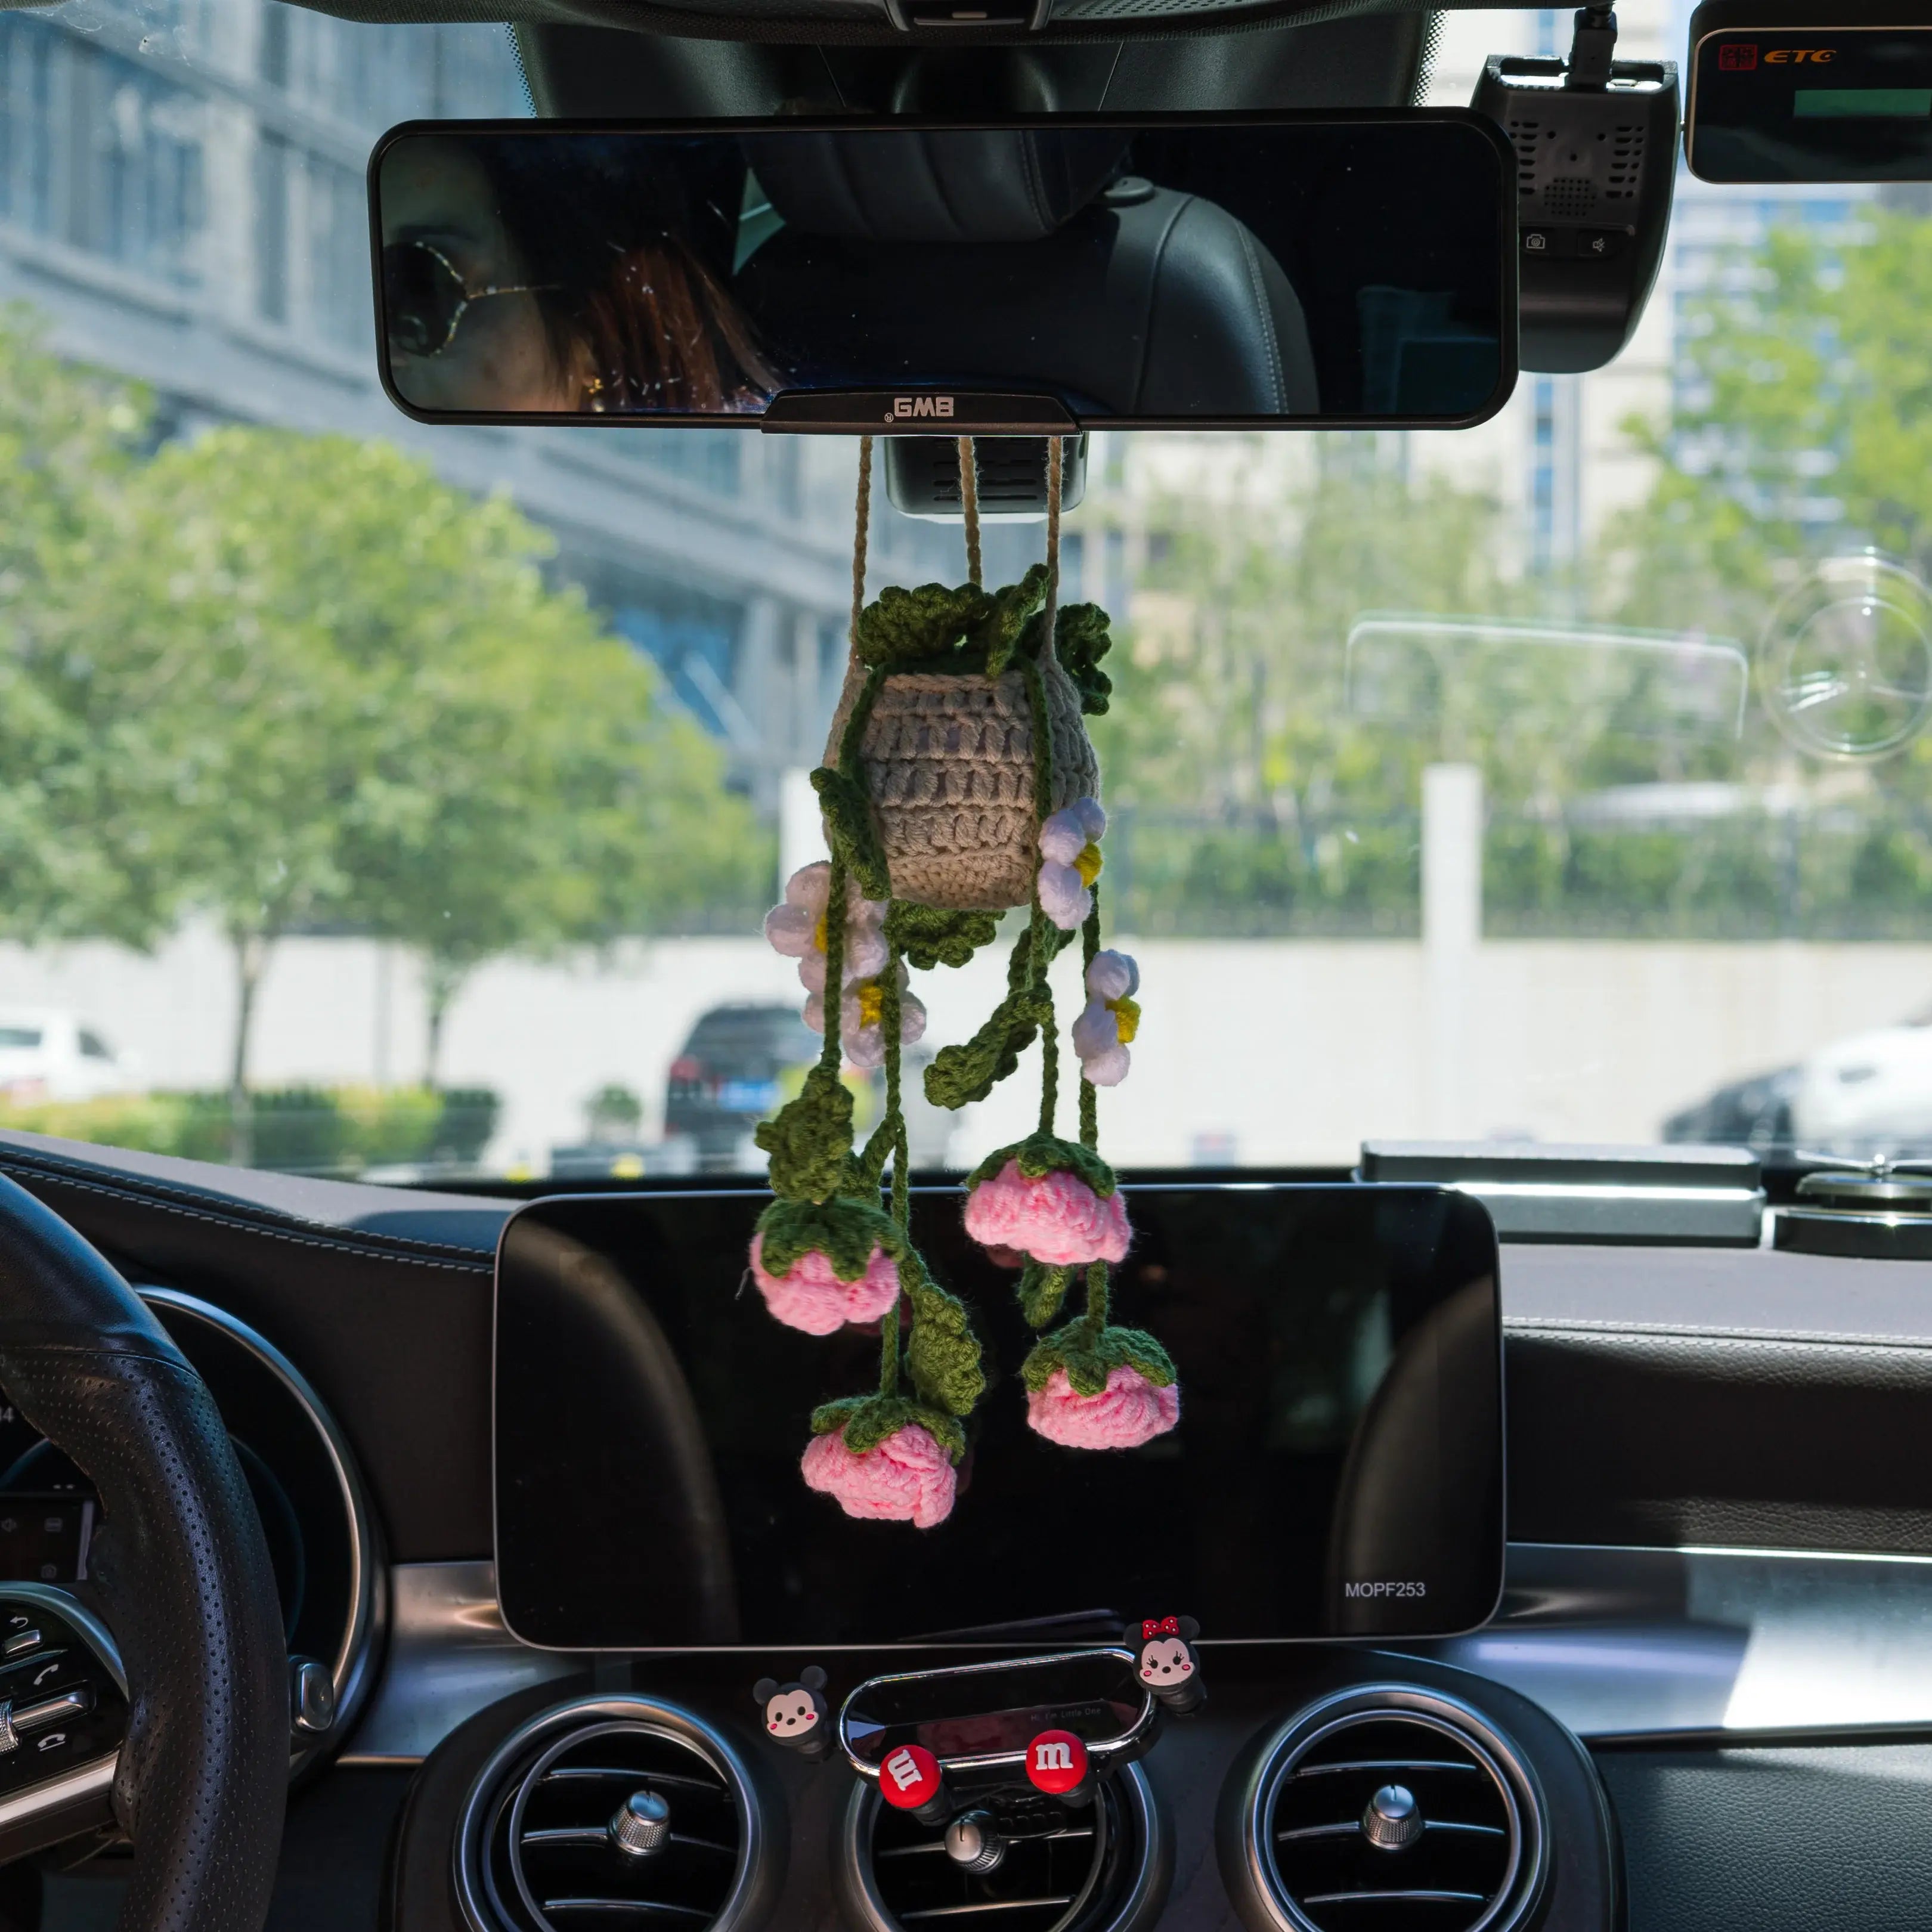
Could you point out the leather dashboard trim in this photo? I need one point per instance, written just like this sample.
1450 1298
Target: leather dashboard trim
382 1296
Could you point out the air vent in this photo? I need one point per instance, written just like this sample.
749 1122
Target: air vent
1385 1809
1103 1868
1626 172
1525 134
613 1811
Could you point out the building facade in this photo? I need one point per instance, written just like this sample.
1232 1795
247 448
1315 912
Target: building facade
182 201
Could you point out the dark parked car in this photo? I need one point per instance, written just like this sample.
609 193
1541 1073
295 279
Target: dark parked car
736 1067
1754 1113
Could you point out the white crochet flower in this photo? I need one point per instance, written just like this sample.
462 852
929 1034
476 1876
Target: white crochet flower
1069 845
859 1019
1109 1020
796 928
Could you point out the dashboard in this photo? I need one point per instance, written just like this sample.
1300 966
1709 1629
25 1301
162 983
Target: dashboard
1706 1695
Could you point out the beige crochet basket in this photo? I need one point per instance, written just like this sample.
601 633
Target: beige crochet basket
948 763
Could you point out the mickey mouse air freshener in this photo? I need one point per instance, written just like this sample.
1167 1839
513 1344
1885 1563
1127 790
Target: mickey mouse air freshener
796 1714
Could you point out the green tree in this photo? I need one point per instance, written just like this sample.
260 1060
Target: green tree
1231 687
373 715
1802 424
78 856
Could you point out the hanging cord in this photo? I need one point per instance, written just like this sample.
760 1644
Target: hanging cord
830 1057
861 533
969 501
1042 738
890 1017
1090 1094
1099 1297
1053 487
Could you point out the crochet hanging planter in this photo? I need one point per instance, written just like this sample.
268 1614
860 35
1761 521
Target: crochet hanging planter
959 782
948 702
947 759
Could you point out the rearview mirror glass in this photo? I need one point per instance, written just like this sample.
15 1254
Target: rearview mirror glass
1031 276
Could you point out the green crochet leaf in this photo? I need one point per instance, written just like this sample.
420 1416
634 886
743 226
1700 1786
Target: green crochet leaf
930 936
1043 1288
844 1231
1040 1154
997 633
1089 1362
866 1420
1080 641
810 1140
905 626
962 1074
850 831
942 1353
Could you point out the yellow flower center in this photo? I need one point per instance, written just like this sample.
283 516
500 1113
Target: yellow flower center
870 1002
1126 1018
818 933
1088 864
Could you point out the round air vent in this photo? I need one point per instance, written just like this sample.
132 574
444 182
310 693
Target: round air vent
1103 1868
1386 1809
614 1810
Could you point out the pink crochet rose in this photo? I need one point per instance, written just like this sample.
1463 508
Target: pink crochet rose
808 1295
1129 1411
1056 1219
907 1478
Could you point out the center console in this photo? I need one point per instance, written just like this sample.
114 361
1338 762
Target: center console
1113 1691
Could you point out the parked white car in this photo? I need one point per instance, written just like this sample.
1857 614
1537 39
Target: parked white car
1871 1093
47 1054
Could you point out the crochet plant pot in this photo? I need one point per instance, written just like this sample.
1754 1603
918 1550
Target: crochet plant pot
948 762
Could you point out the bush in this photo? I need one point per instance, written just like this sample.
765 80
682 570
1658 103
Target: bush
297 1130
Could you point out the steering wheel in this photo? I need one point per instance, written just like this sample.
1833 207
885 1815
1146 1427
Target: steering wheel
183 1573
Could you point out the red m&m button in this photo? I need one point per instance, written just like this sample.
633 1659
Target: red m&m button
909 1777
1056 1762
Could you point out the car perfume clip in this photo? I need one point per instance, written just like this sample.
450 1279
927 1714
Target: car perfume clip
983 1737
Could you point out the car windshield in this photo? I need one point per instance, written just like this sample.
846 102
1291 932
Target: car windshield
405 802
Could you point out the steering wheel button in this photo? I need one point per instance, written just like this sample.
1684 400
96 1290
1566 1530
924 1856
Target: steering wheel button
20 1642
75 1703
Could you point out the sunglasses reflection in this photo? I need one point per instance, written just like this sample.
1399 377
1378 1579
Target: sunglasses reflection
496 298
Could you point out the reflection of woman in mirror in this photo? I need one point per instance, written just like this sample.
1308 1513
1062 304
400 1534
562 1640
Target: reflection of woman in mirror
518 280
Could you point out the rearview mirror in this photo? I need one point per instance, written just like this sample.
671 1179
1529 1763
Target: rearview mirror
1032 276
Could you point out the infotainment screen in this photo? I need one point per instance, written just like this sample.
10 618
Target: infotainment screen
1336 1470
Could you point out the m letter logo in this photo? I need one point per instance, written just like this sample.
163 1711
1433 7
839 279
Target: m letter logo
1056 1763
909 1777
1737 56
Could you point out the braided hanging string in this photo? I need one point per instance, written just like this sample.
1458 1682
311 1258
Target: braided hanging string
969 504
1042 947
836 887
862 524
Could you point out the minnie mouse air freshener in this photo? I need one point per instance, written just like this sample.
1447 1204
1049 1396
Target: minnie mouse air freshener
1169 1664
796 1715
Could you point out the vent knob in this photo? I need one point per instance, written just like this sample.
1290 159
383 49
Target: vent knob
642 1825
973 1843
1392 1819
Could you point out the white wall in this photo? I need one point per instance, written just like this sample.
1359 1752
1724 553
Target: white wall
1292 1049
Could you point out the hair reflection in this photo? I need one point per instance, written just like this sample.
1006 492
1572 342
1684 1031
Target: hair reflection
610 300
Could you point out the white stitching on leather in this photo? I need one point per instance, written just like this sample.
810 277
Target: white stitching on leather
374 1247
